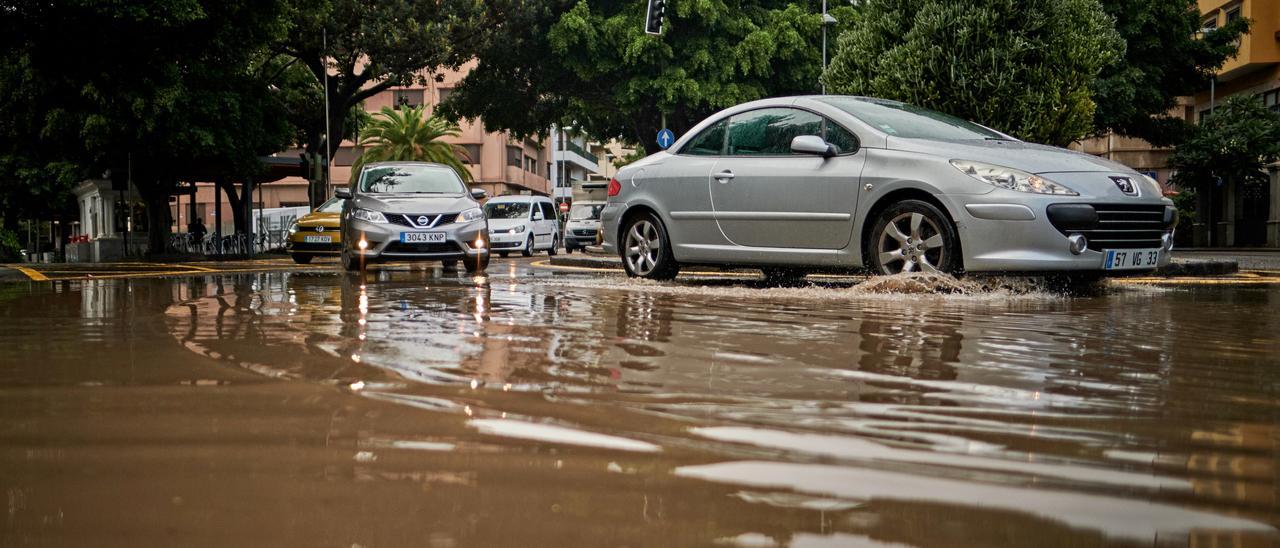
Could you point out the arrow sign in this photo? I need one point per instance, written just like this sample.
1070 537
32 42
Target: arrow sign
665 138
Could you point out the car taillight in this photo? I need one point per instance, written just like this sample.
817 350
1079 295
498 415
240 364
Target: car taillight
614 187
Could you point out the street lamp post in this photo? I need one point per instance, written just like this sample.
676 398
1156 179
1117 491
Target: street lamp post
827 20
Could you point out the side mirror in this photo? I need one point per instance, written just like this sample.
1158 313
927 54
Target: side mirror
537 214
479 193
812 144
342 193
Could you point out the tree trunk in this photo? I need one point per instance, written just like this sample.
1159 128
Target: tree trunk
237 202
156 196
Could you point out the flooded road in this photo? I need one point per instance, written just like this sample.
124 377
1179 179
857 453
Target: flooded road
539 408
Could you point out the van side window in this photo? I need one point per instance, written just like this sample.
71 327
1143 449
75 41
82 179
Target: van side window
548 212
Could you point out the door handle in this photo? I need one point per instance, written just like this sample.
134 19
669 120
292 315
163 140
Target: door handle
724 176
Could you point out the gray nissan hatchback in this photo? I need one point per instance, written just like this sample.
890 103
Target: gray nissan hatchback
413 211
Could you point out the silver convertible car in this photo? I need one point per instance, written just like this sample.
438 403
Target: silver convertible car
794 184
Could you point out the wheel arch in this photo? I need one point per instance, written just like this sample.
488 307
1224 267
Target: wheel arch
899 195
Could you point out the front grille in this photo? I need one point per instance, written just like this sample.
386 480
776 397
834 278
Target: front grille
584 232
411 219
311 246
329 229
434 247
1118 226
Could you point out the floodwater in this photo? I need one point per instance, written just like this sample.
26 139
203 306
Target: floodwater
535 408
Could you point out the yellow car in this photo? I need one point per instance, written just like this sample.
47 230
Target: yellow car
316 233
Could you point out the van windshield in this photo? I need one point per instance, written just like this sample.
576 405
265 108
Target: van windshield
334 205
506 210
411 179
584 212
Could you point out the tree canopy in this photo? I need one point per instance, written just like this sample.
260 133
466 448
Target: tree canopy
1166 56
1234 143
588 65
1025 67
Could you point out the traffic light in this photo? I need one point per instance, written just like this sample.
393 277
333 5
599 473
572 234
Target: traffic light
653 16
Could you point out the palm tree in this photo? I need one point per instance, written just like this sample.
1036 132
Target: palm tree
408 134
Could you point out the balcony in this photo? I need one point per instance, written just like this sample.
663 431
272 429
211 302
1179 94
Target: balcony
575 154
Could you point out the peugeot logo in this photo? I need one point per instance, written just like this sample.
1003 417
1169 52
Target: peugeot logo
424 220
1126 185
319 229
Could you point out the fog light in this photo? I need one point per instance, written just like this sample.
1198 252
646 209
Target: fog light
1167 241
479 244
1078 243
363 245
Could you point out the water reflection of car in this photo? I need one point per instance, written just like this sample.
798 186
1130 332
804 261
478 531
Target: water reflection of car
523 223
414 211
796 183
316 233
583 226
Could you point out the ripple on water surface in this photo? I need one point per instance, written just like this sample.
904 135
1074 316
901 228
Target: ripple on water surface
1130 414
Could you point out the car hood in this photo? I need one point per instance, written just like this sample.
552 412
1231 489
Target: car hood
415 203
1029 157
503 224
314 219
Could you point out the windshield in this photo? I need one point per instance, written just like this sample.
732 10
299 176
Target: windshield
903 120
411 179
507 210
582 212
334 205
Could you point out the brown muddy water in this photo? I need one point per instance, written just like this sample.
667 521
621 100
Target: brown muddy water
527 408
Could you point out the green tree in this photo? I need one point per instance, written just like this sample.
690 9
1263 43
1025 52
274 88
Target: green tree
170 90
366 47
1234 144
1166 56
409 134
1025 67
588 64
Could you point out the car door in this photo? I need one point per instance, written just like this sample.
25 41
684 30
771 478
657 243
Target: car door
765 195
544 224
681 187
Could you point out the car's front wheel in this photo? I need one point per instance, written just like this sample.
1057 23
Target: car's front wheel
528 247
555 243
350 262
301 258
476 264
913 236
646 250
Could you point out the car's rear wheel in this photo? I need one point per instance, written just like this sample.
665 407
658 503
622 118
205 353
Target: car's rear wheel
555 243
503 254
913 236
302 258
646 250
477 263
350 262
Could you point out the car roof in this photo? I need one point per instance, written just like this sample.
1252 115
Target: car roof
405 163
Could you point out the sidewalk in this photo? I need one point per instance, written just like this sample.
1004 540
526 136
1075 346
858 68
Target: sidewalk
1248 259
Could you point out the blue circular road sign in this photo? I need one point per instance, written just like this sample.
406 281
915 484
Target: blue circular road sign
665 138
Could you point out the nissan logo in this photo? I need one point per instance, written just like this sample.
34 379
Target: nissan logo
424 220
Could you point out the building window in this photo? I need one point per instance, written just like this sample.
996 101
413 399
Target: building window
444 93
1210 22
515 155
1233 14
1203 114
530 165
473 154
1272 99
406 98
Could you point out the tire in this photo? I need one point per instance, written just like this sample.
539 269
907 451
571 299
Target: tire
528 248
568 250
477 264
350 262
913 236
302 258
646 249
555 242
449 264
503 254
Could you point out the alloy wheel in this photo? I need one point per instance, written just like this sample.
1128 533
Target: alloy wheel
643 246
911 242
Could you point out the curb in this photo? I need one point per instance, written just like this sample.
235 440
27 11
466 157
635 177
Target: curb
1198 267
587 261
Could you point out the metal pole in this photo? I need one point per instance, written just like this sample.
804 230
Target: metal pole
1213 91
824 44
327 114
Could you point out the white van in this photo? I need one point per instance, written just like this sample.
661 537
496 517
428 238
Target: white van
583 225
523 223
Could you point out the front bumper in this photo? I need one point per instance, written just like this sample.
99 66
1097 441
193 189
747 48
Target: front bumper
506 241
1004 231
297 242
383 241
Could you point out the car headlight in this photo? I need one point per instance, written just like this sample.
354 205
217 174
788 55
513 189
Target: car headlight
369 215
1012 179
517 229
473 214
293 228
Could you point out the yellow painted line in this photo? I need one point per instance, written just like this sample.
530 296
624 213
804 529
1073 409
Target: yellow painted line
34 275
194 267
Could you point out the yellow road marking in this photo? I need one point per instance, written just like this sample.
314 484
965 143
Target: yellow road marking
34 275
